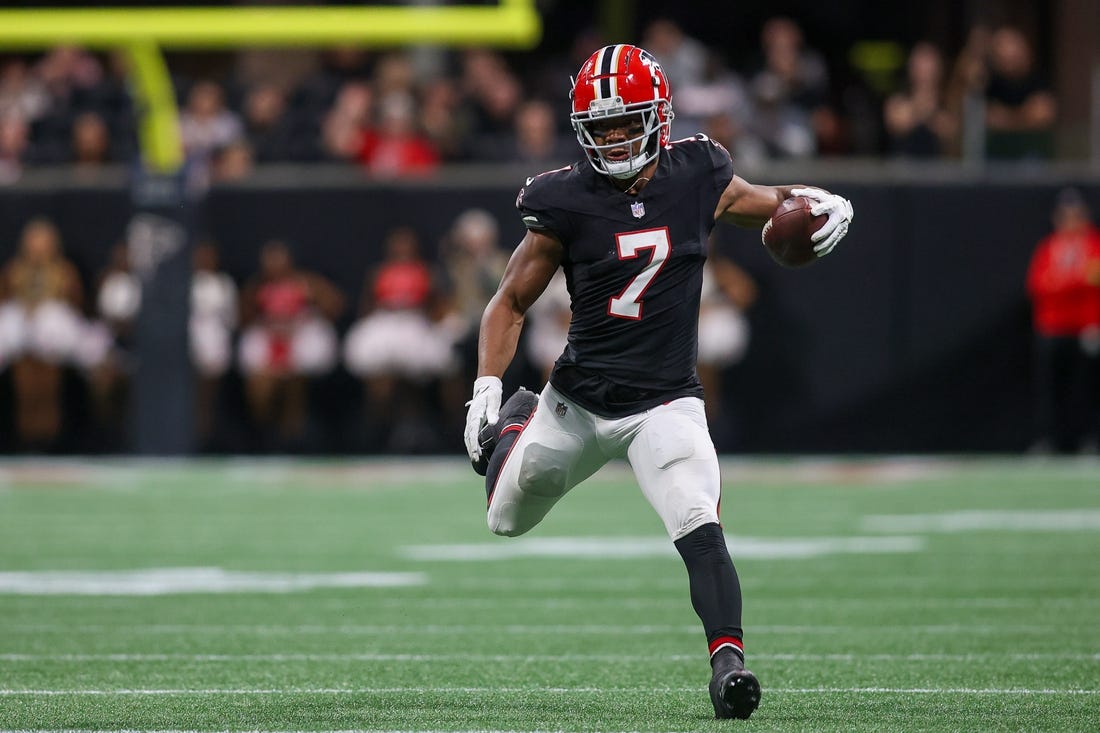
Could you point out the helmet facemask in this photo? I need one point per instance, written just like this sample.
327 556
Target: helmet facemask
654 128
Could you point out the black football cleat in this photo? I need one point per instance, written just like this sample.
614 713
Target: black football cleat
515 411
734 690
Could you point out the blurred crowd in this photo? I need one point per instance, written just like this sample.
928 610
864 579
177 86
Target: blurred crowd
408 337
404 113
411 342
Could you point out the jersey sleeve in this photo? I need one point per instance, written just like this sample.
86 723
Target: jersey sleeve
537 208
721 161
714 168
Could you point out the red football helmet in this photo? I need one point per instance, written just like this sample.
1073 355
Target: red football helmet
617 81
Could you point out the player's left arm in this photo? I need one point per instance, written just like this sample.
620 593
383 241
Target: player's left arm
749 205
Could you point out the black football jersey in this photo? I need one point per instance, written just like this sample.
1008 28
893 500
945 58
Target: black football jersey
634 268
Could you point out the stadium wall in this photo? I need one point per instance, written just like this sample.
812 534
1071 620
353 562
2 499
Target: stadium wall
914 336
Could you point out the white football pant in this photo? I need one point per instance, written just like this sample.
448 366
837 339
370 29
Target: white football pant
668 447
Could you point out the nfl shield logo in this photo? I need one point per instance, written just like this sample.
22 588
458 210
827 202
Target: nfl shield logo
560 409
637 209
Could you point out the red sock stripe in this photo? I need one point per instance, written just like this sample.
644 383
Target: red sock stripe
513 429
722 640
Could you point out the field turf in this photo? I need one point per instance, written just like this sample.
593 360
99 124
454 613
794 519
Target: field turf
932 595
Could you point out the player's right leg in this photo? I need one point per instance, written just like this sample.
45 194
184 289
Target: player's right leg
554 451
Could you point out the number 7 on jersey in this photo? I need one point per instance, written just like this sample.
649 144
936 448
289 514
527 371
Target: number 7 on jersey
628 303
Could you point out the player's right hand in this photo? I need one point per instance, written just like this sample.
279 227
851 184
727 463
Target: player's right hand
484 410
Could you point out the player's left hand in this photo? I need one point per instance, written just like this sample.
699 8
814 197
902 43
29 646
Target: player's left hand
484 409
840 214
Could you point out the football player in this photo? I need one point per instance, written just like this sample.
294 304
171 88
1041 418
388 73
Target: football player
629 226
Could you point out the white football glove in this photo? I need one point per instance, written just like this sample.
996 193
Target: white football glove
840 214
484 410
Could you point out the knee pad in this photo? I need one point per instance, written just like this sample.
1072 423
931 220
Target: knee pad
544 470
502 522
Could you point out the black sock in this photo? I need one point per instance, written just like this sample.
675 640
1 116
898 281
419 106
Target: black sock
496 461
715 590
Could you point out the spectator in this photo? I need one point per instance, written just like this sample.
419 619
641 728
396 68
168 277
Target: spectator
21 92
233 162
1063 281
343 125
683 58
118 297
267 125
396 148
317 94
719 104
917 119
1020 108
728 292
212 322
394 74
76 83
790 93
91 141
536 139
970 72
118 300
286 68
40 330
439 116
552 72
213 312
492 97
288 337
344 64
65 70
396 347
14 143
474 263
965 96
745 147
206 125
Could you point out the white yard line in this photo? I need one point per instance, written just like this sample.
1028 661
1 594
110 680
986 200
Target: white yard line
1001 520
656 658
559 629
81 730
627 548
166 581
154 692
440 599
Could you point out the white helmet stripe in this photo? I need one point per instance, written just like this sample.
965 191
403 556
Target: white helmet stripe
616 57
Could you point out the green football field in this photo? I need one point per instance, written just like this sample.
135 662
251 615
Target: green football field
273 596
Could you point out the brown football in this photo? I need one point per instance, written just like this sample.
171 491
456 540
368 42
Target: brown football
788 236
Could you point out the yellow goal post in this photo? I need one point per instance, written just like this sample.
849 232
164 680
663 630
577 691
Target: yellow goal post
142 31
